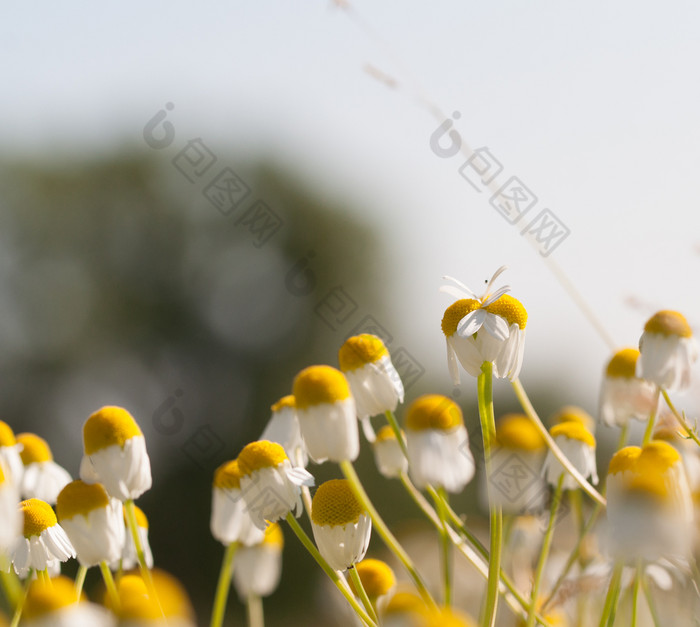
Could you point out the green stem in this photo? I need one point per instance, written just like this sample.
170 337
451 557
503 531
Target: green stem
80 579
223 585
394 424
446 545
650 602
652 418
391 542
488 431
332 574
254 610
362 593
556 451
110 585
680 418
546 544
635 591
610 607
20 606
10 582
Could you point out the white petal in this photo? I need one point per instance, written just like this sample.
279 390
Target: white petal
496 326
471 323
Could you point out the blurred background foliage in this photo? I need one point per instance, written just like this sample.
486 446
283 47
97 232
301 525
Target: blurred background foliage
120 283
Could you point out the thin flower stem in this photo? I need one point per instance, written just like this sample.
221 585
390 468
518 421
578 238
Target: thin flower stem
254 610
488 431
446 545
20 606
332 574
362 593
610 607
80 579
681 418
43 575
391 542
639 573
223 585
394 424
110 585
652 418
623 436
650 602
557 452
546 544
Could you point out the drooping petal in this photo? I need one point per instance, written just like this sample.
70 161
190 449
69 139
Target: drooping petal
471 323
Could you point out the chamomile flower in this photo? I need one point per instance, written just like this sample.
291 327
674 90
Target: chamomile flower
376 385
578 445
669 431
115 454
92 521
129 558
623 394
341 526
377 579
55 603
283 427
326 412
437 443
270 485
44 543
258 567
668 350
486 328
42 478
10 454
230 518
388 455
572 413
10 516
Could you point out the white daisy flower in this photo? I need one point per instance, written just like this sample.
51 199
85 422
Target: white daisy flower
388 455
341 526
56 604
258 567
129 558
44 543
270 485
10 457
283 427
623 394
668 351
115 454
230 518
438 444
486 328
93 521
578 445
42 478
326 412
375 384
10 516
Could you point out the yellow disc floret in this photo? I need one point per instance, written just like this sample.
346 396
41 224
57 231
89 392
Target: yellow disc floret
404 602
668 322
273 536
360 350
285 401
319 384
228 476
80 498
109 426
35 449
7 436
38 516
260 454
335 504
433 411
516 431
141 519
509 308
447 618
385 433
455 312
571 413
624 460
376 576
623 364
657 457
573 431
46 597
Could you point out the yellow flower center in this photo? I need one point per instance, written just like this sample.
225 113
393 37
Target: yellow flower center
2 475
655 486
455 312
376 576
335 504
657 457
80 498
35 449
448 618
136 602
228 476
573 431
571 413
385 433
405 603
668 322
38 516
260 454
285 401
7 437
516 431
623 364
433 411
624 460
273 536
319 384
47 597
509 308
109 426
141 519
359 350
